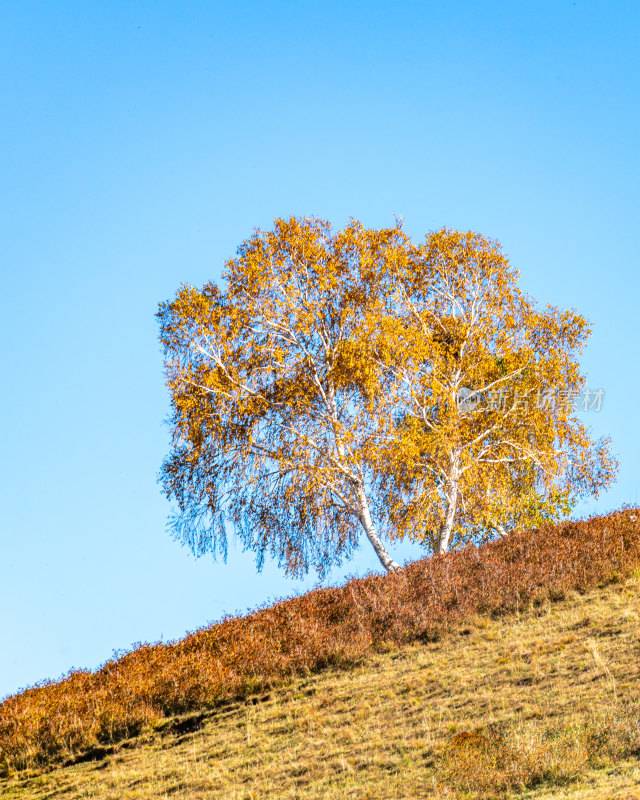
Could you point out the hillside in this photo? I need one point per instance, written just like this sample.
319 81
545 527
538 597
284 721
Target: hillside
374 731
539 700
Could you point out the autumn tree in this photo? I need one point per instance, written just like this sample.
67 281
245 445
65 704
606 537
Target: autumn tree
481 384
273 400
353 382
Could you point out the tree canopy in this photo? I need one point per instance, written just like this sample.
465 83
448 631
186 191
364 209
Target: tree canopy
338 385
481 436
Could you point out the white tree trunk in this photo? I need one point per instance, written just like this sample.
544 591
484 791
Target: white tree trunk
365 519
364 515
447 525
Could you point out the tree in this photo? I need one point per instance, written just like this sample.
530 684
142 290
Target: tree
272 400
481 436
336 387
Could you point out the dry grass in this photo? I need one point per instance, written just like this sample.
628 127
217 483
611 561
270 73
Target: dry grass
241 656
383 728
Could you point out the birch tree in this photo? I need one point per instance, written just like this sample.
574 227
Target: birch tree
274 402
481 435
353 383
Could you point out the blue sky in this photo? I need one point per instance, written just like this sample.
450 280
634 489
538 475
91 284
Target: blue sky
143 141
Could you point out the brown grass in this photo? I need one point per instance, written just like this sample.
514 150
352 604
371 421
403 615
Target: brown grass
502 760
238 657
385 728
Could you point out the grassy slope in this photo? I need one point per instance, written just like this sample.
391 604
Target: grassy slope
374 731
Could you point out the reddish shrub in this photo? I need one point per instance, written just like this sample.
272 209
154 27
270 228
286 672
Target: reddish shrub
336 626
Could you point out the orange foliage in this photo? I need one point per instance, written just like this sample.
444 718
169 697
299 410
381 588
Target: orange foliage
318 397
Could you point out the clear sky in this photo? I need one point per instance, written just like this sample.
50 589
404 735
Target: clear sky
141 142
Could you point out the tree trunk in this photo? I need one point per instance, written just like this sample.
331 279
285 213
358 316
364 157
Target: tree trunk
364 514
365 519
447 525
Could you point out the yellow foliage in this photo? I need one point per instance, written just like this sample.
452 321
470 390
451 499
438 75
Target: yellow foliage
318 396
